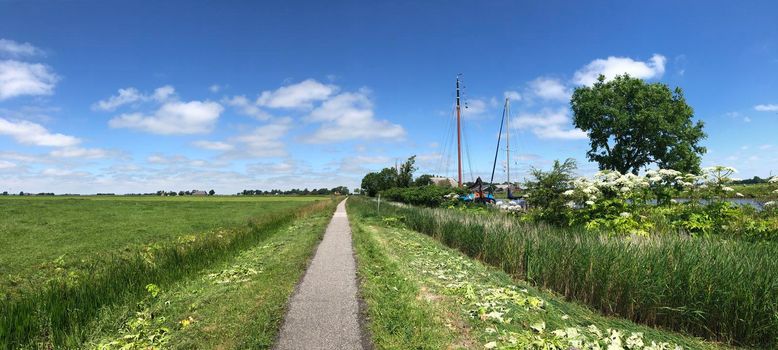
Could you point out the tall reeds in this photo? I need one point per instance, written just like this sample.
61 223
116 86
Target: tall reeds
723 290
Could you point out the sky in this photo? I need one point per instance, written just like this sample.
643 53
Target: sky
140 96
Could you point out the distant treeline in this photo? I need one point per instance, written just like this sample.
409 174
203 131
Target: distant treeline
158 193
321 191
752 181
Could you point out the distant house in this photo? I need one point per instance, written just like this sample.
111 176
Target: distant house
443 181
199 193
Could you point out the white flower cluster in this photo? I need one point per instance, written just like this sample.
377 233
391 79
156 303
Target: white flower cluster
773 180
512 206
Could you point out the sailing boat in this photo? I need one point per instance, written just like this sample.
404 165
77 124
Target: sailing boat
506 118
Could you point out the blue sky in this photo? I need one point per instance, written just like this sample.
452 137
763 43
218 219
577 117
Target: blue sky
140 96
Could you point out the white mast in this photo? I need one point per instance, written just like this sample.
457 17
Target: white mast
508 138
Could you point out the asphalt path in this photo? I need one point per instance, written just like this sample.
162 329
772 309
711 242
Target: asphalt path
324 311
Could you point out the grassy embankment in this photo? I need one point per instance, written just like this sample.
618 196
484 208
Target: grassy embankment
440 298
720 290
114 249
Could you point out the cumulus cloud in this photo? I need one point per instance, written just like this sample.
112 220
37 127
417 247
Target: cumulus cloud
213 145
350 116
550 89
613 66
16 49
78 152
300 95
766 108
246 107
22 78
512 95
132 95
30 133
549 124
174 117
262 142
4 164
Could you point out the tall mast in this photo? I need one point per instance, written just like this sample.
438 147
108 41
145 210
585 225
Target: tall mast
508 137
459 138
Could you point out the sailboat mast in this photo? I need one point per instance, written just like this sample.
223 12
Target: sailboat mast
459 138
508 138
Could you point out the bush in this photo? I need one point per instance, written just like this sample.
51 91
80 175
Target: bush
546 192
428 196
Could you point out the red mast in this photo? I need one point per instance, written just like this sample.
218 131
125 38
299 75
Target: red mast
459 138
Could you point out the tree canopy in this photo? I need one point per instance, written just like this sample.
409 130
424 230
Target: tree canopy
388 178
632 124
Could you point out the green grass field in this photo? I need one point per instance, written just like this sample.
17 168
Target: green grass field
41 234
73 264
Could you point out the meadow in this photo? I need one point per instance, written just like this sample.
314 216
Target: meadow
722 290
69 259
42 234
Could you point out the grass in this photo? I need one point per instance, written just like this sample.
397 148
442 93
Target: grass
58 312
237 303
398 320
720 290
440 298
40 235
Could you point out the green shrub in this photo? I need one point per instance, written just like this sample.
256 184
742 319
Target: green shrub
428 196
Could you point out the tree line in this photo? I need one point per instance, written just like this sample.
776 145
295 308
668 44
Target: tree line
342 190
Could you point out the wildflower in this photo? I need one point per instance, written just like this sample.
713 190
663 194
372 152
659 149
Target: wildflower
727 189
773 180
770 203
625 189
738 194
570 204
490 345
776 191
589 202
625 214
568 193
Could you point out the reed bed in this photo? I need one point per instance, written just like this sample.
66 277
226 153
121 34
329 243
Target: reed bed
58 314
722 290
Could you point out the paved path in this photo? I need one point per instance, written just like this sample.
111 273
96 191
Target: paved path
323 312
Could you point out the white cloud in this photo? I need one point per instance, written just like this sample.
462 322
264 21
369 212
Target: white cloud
475 107
215 88
213 145
162 94
78 152
125 96
512 95
350 116
549 124
132 95
30 133
22 78
4 164
766 108
262 142
16 49
245 107
550 89
193 117
613 66
286 166
299 95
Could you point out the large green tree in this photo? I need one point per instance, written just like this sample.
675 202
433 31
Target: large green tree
632 124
